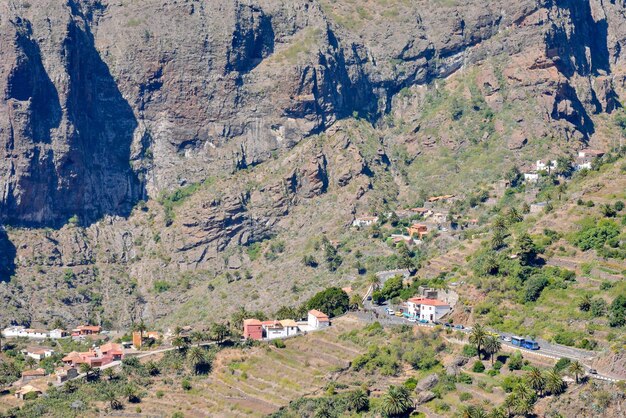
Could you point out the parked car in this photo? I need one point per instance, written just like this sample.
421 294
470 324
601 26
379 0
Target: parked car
398 313
423 321
459 326
593 371
412 319
437 323
448 325
391 312
506 339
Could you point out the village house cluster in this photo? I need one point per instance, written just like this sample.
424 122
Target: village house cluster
41 334
95 357
255 329
55 334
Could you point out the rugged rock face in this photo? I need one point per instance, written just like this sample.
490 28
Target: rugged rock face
105 104
102 99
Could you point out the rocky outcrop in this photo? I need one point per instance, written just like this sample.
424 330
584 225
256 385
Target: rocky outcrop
105 104
92 114
66 144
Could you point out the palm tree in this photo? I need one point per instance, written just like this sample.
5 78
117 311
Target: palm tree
497 240
141 327
374 281
109 373
499 224
180 343
396 401
471 411
585 303
355 302
130 392
220 332
536 380
498 412
86 369
577 369
30 362
514 216
522 399
492 346
197 337
358 400
238 317
478 337
554 382
110 397
196 357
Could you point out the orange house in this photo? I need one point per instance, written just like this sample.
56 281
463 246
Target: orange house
253 329
418 229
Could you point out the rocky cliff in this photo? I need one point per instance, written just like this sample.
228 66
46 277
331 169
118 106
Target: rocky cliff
106 104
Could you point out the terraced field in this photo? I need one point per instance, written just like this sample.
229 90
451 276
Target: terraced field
262 379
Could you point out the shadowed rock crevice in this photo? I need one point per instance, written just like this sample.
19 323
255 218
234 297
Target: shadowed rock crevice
99 179
29 83
581 41
7 257
253 39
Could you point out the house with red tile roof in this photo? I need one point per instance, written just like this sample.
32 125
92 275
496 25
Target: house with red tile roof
417 230
253 329
427 309
86 330
317 319
113 350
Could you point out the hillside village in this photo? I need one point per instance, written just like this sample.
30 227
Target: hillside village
36 361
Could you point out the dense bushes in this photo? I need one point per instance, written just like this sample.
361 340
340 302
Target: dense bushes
332 301
596 235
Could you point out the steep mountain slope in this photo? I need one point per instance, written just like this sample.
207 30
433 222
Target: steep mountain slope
242 121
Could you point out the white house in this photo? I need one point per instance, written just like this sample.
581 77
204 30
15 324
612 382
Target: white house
531 177
38 353
56 334
365 221
273 330
427 309
17 331
290 326
589 153
551 165
583 166
279 329
317 319
538 207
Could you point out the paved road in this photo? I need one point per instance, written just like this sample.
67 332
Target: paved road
373 313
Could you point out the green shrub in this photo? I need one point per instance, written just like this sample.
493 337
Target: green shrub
465 396
562 364
161 286
516 361
497 365
410 383
279 344
470 350
465 378
332 301
160 394
478 367
186 384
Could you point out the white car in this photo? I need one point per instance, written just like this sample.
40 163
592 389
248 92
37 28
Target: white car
411 319
506 339
391 312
